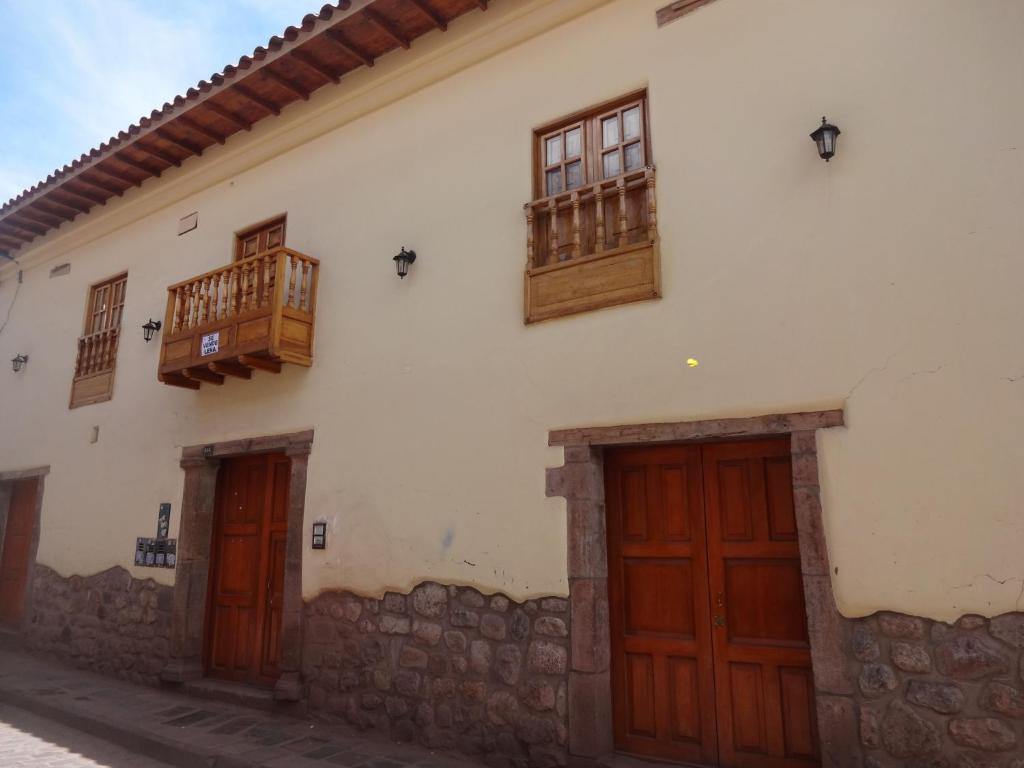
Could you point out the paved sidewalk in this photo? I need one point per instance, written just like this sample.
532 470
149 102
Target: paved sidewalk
183 731
31 741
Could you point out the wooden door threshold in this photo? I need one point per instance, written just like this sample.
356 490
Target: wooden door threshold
231 693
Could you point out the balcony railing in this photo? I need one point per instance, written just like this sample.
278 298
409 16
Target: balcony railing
255 313
592 247
94 367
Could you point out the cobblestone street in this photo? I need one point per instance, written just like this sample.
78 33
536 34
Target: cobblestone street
30 741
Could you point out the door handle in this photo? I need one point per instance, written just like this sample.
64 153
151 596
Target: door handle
718 620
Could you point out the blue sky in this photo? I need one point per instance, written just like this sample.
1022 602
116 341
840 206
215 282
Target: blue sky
75 72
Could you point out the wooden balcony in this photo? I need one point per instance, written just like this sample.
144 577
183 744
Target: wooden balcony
94 367
593 247
257 313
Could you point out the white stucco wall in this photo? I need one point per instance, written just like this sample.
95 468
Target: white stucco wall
886 282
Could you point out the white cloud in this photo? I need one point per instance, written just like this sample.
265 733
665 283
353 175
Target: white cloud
82 70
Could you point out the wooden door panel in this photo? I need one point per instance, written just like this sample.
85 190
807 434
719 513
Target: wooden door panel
247 569
765 703
17 547
662 676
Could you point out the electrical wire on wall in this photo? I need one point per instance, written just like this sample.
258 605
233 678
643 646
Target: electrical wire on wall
17 290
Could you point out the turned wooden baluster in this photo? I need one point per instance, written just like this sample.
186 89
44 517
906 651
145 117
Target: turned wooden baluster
205 297
291 280
529 236
245 286
215 308
87 355
576 244
599 213
195 305
236 296
305 283
652 207
553 236
179 307
267 261
623 224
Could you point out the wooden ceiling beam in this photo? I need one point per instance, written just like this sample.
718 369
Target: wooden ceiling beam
65 190
256 99
16 233
158 154
27 226
311 62
228 115
336 37
209 133
56 205
285 83
148 170
43 217
110 190
12 242
113 174
430 13
386 27
188 146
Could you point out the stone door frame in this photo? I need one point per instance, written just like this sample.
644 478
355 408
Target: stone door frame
581 482
7 481
195 534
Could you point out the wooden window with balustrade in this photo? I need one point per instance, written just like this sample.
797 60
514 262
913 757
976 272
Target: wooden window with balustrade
97 347
592 237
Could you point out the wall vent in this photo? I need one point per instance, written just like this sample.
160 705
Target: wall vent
60 270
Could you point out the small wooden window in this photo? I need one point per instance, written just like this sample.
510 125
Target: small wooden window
259 239
97 347
592 231
603 143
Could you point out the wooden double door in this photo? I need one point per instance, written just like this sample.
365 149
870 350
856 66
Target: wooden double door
16 551
247 569
710 657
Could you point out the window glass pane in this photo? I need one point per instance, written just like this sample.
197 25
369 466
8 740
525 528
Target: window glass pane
631 123
634 157
554 150
572 143
554 182
574 175
612 165
610 131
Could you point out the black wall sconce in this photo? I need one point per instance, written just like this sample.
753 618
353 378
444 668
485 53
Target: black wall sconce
150 328
320 535
18 362
825 137
403 260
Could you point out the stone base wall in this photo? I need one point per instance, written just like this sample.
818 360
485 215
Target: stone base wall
447 667
939 695
110 622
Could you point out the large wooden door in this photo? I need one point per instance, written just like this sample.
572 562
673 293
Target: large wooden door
663 687
247 569
17 546
710 657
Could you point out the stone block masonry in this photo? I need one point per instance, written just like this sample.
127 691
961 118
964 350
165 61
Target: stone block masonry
447 667
110 622
939 695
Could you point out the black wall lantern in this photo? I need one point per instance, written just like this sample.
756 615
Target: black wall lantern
18 362
150 328
403 260
825 137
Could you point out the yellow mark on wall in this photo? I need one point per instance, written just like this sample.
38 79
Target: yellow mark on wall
692 362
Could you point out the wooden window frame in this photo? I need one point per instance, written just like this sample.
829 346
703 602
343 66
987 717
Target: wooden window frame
257 229
96 356
591 150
